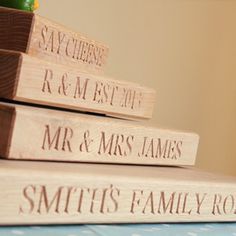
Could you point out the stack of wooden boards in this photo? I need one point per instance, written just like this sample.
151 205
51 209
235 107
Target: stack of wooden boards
47 74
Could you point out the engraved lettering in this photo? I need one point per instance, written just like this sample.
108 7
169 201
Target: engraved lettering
163 205
149 203
44 202
87 200
30 201
60 141
61 37
80 91
50 42
68 198
115 144
105 146
65 44
136 198
48 142
228 204
46 83
43 34
216 207
199 202
185 210
97 92
160 148
80 202
63 88
84 146
68 134
114 195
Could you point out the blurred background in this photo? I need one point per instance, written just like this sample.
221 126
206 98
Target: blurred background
185 49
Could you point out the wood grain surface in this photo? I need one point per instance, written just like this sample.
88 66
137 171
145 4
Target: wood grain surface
28 79
15 29
37 36
68 136
7 121
62 193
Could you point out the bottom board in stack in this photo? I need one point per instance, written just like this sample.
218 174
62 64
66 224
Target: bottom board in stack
65 193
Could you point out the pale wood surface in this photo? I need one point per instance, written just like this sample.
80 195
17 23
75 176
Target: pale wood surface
28 79
43 134
44 193
43 38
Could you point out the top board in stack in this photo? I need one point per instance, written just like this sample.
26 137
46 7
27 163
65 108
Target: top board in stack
37 36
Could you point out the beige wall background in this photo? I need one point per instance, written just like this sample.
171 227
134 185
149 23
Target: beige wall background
185 49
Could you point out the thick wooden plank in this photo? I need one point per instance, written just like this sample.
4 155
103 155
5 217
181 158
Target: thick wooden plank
10 64
7 121
15 29
43 134
28 79
62 193
43 38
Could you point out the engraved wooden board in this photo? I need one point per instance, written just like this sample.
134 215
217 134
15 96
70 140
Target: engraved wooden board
62 193
37 36
43 134
28 79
